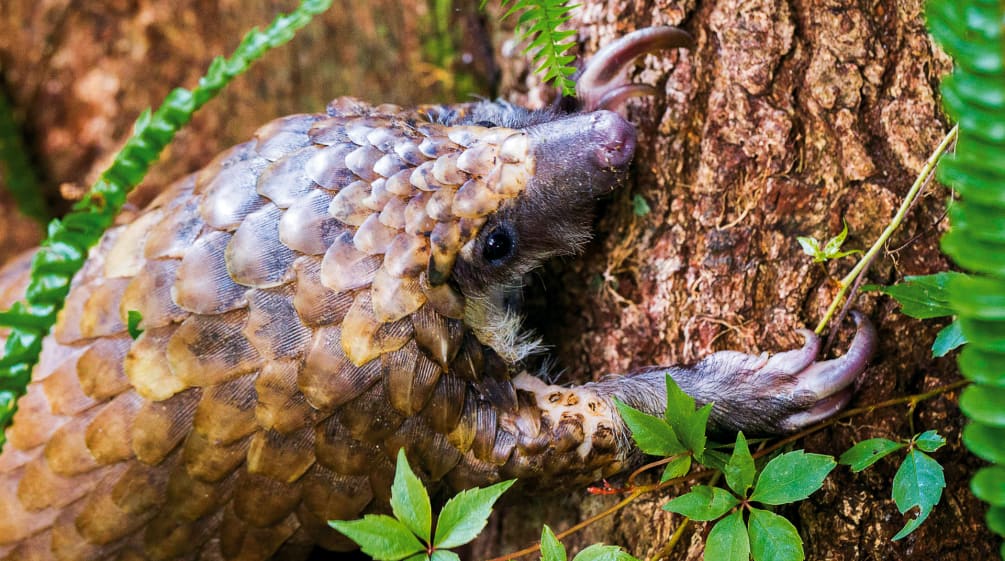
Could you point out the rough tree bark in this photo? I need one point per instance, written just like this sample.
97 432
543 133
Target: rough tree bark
789 117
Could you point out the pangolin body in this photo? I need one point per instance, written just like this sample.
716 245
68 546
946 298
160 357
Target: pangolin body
320 297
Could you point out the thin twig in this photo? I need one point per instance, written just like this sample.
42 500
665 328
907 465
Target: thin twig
898 218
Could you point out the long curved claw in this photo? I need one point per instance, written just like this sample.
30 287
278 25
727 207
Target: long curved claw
602 84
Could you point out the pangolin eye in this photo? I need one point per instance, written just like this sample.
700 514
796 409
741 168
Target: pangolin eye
499 245
486 124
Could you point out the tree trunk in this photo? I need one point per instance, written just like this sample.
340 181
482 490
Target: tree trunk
788 119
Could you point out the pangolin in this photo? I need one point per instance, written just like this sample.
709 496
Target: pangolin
325 294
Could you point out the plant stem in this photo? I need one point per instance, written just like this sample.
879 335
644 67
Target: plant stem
922 179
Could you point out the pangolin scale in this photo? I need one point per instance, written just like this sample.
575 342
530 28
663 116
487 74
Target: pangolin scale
323 295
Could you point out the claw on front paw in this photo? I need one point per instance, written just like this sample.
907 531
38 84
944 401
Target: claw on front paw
786 392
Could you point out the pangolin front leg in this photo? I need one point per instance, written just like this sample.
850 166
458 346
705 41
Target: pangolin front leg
336 289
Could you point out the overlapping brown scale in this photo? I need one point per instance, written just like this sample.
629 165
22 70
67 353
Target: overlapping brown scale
434 145
370 417
263 501
67 452
443 298
329 378
330 495
62 391
210 462
109 435
417 222
393 213
280 404
284 457
167 538
102 521
394 297
255 255
284 135
430 453
372 237
316 304
361 161
149 293
400 184
127 255
99 311
283 182
67 328
437 336
347 206
146 365
406 256
472 472
240 540
446 404
203 284
68 542
345 268
34 423
191 499
475 199
273 326
409 378
231 195
327 167
379 195
226 412
390 164
42 488
338 451
208 350
364 338
160 426
16 522
176 233
307 226
142 487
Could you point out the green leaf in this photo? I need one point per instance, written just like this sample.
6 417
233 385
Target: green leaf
868 452
703 503
833 245
464 515
380 536
419 557
929 441
679 405
740 470
917 484
791 477
133 319
983 403
599 552
715 459
409 499
923 297
728 540
551 548
640 206
996 520
691 430
652 434
810 247
773 538
988 485
678 467
948 338
444 555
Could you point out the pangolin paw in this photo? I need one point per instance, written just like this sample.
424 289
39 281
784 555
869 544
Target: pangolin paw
783 392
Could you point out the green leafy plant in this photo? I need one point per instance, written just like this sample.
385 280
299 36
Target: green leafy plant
679 434
919 481
410 534
971 32
829 250
787 478
65 248
553 550
926 297
539 23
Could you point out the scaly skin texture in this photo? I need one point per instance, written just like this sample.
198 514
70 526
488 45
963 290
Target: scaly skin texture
323 295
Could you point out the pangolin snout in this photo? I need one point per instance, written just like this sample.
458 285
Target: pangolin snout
614 138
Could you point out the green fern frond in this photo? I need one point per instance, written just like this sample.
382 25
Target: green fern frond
549 46
65 248
972 33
